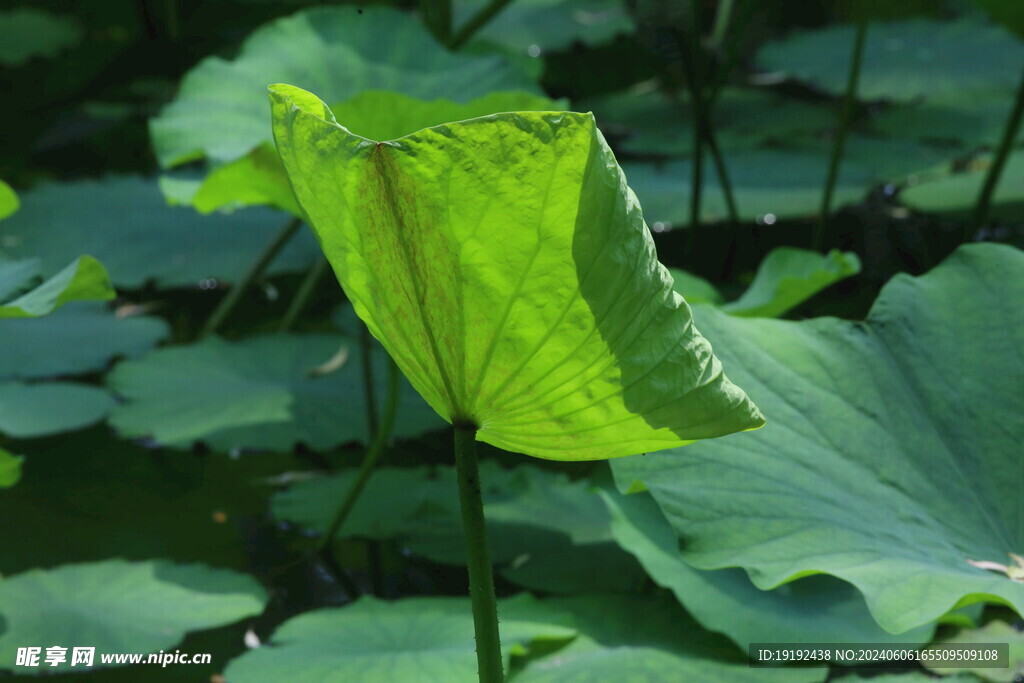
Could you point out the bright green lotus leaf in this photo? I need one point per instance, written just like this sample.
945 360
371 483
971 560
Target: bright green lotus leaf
126 224
10 469
81 337
1010 13
267 392
31 410
259 178
695 289
816 609
768 185
220 113
8 200
535 27
412 639
505 266
85 279
903 60
26 33
893 457
119 606
957 195
646 639
787 277
993 632
544 532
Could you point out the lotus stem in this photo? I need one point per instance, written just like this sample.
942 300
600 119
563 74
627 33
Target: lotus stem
234 295
481 579
477 22
846 118
995 171
303 294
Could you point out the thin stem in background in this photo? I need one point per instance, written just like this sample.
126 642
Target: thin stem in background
234 295
732 52
721 26
995 171
477 22
481 578
695 79
370 460
303 294
369 394
437 15
846 118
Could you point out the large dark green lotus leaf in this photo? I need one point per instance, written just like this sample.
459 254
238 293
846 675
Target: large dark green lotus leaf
26 33
651 123
957 195
262 392
412 639
816 609
646 639
548 25
893 455
126 224
544 532
8 200
84 279
781 183
903 60
119 606
221 110
10 469
259 178
993 632
505 266
964 120
31 410
80 337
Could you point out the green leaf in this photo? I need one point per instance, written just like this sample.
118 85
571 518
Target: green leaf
262 392
544 532
638 638
32 410
976 119
126 224
816 609
768 185
259 178
8 200
118 606
956 195
695 289
412 639
893 455
84 279
10 469
26 33
80 337
787 277
993 632
550 323
221 113
548 25
903 60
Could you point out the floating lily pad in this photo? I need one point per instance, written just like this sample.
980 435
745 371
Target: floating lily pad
522 290
10 469
782 184
893 453
413 639
957 195
80 337
119 606
262 393
638 638
816 609
544 532
31 410
126 224
548 25
26 33
903 60
221 110
84 279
